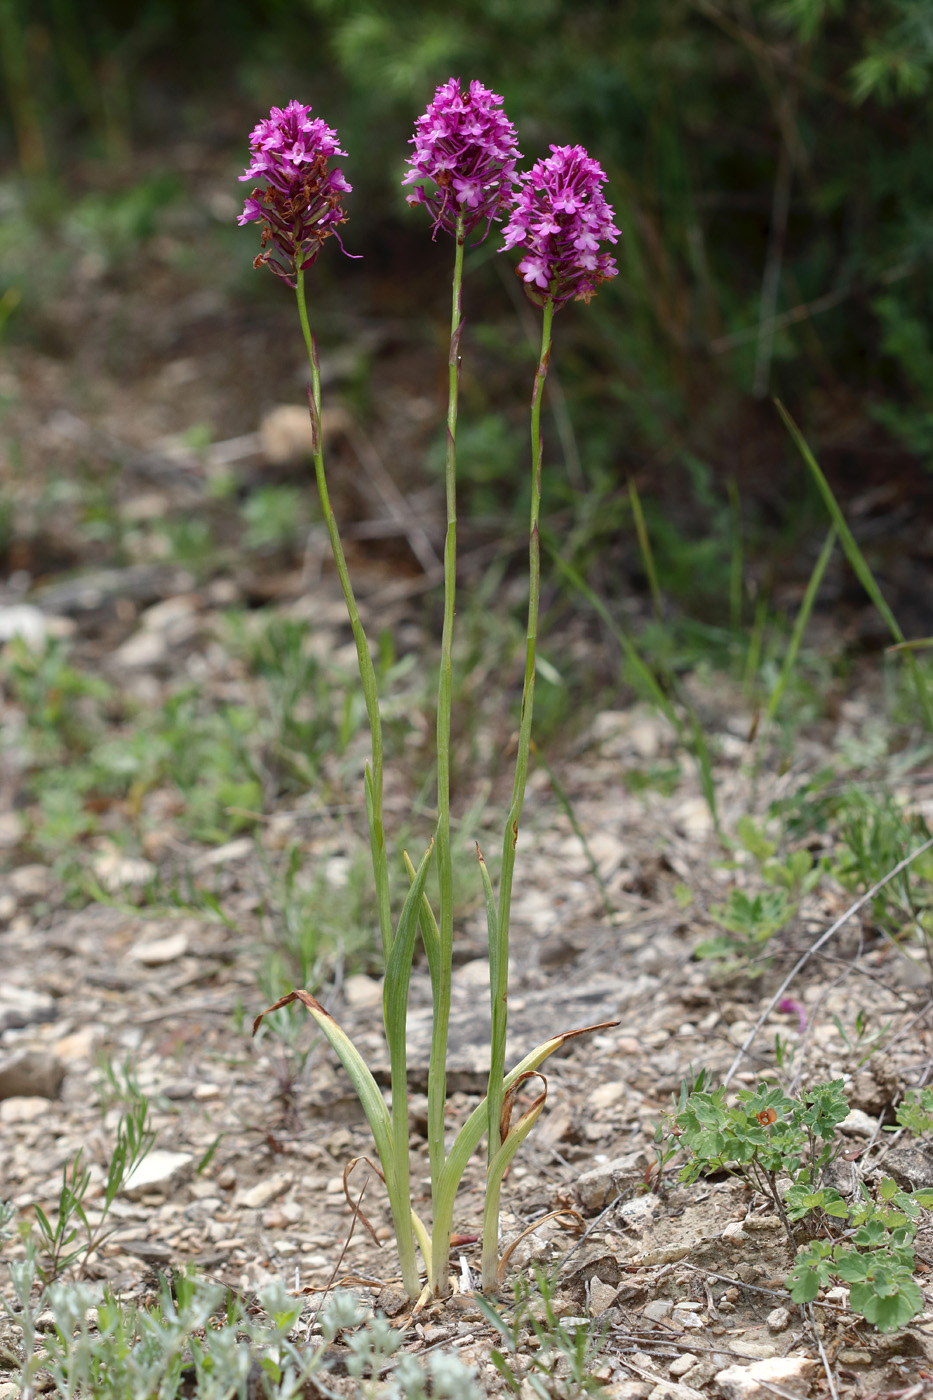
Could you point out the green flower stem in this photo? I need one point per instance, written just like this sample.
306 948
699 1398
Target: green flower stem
367 672
499 946
437 1071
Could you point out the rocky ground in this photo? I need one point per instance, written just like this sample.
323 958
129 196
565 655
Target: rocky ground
155 961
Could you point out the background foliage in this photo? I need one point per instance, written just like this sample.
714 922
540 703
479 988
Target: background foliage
768 161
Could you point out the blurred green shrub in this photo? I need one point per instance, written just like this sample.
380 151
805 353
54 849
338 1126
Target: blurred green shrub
768 162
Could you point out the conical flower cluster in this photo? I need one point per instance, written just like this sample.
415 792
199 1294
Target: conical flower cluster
558 222
300 205
467 146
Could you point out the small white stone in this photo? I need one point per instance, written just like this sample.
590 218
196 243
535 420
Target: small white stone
858 1124
778 1320
30 881
259 1196
158 1174
693 817
23 1110
658 1309
25 621
750 1382
160 951
361 991
115 870
682 1364
141 651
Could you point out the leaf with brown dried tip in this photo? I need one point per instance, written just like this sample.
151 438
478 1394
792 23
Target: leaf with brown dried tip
368 1091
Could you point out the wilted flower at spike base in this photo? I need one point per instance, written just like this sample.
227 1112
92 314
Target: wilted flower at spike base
466 144
558 221
300 205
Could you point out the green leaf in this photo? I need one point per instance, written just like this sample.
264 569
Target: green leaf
888 1312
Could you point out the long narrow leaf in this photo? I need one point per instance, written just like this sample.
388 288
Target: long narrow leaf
511 1142
800 623
430 934
469 1136
395 1015
857 559
368 1091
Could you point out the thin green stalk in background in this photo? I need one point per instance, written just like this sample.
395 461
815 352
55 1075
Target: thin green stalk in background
800 623
441 973
858 561
499 944
367 671
736 561
644 544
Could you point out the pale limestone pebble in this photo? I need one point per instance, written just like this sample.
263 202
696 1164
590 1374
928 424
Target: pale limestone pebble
674 1390
750 1382
80 1044
607 1095
156 952
693 818
25 621
227 854
536 907
24 1006
285 432
658 1309
30 882
778 1319
603 1183
687 1317
680 1366
141 652
158 1174
627 1390
601 1296
266 1191
30 1074
116 871
23 1110
854 1356
858 1124
360 991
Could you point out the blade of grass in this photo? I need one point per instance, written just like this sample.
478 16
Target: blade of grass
857 560
644 544
800 623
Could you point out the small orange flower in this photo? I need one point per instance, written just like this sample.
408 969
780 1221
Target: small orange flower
767 1116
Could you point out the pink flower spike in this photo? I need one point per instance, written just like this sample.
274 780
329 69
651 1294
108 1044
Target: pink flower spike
558 221
466 145
300 205
792 1007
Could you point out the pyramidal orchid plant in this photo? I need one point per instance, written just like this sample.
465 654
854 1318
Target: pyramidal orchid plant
463 171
